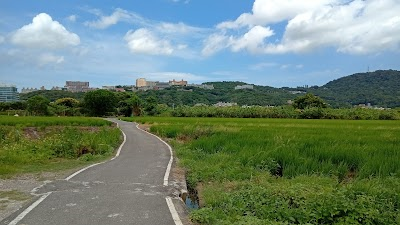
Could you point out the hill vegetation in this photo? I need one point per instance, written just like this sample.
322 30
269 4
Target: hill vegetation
380 88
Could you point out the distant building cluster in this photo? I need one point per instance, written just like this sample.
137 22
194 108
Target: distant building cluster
78 86
8 93
143 85
242 87
113 88
369 106
225 104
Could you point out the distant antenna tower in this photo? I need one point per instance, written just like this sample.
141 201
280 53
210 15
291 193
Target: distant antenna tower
368 69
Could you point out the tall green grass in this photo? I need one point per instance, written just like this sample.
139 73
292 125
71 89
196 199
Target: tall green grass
34 121
38 144
284 171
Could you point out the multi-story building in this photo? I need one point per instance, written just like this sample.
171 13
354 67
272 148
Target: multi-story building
110 88
56 88
28 90
77 86
141 82
203 86
161 85
8 93
246 86
178 83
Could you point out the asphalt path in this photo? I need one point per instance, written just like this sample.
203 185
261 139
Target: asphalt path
129 189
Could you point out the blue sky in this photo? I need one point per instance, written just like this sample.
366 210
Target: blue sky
267 42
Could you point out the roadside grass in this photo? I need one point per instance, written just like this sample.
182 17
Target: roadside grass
285 171
37 144
37 121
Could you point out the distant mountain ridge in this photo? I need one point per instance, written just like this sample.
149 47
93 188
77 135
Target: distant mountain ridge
380 88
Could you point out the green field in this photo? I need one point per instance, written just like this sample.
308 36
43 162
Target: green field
37 144
283 171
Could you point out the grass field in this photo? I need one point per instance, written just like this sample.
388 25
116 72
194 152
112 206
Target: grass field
282 171
37 144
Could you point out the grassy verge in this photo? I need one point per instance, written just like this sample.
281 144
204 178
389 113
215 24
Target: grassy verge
282 171
36 144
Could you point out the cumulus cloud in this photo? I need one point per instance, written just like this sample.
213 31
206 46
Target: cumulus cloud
44 32
352 27
273 11
253 40
144 41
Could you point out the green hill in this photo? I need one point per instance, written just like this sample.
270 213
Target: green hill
380 88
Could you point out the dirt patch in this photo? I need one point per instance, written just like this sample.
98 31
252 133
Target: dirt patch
34 133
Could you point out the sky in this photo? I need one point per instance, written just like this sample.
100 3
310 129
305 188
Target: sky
278 43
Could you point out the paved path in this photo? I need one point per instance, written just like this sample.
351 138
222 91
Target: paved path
126 190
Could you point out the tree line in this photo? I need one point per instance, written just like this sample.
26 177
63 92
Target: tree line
107 103
93 103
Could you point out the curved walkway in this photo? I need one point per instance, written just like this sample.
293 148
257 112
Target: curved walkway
129 189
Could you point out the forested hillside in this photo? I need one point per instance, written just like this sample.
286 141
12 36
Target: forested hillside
222 92
380 88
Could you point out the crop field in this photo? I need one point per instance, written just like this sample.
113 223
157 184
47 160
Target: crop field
285 171
37 144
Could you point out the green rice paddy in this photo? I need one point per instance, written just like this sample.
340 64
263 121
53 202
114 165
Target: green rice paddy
285 171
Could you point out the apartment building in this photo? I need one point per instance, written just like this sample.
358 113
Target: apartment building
8 93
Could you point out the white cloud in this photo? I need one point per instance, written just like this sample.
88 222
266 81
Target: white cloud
253 40
272 11
214 43
166 76
177 28
72 18
352 27
2 39
48 58
144 41
118 15
43 32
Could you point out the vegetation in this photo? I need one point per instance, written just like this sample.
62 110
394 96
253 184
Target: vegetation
38 105
53 95
35 144
274 171
100 102
286 112
309 101
379 88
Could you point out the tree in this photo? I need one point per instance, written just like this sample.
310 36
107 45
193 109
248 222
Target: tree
136 103
68 102
38 105
100 102
130 106
150 106
309 101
